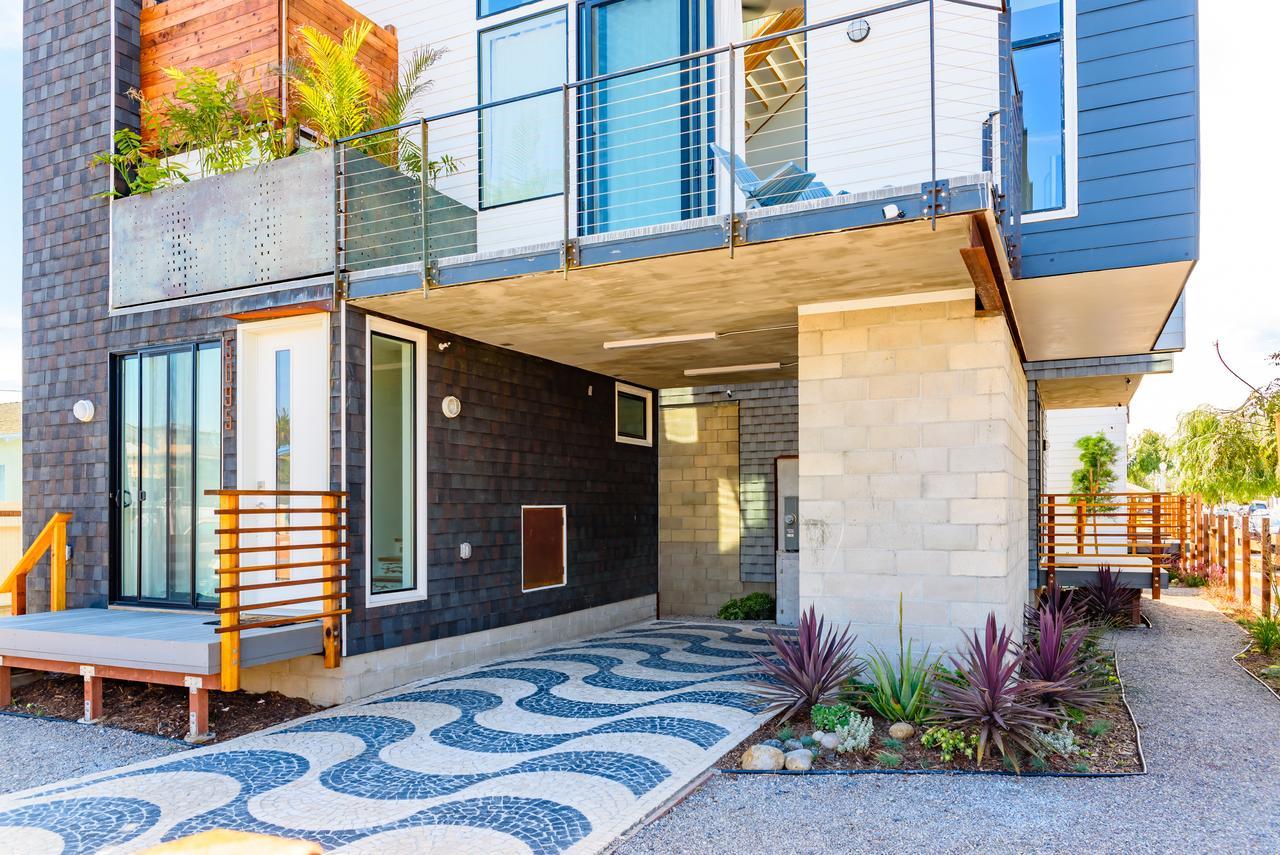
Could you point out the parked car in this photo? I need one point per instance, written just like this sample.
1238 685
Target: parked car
1258 512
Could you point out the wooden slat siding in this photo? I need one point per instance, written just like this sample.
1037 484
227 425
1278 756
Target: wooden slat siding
244 37
1138 143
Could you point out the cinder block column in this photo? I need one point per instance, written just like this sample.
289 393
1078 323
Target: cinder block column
913 470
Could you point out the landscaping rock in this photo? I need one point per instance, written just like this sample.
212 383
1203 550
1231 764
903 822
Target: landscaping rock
829 741
792 745
773 743
763 757
817 735
800 761
901 730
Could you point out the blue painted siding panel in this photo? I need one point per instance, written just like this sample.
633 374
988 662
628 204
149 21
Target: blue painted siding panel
1138 142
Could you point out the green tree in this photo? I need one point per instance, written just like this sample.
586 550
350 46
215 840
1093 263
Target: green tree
1096 476
1148 450
1228 455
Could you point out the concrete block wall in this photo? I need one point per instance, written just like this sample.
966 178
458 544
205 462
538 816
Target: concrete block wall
698 509
767 430
913 470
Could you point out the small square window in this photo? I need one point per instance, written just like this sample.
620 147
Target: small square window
634 421
543 551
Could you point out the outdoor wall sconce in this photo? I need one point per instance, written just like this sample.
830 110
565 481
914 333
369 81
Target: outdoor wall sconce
83 410
451 406
858 30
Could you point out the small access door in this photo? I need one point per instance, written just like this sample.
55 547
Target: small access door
787 507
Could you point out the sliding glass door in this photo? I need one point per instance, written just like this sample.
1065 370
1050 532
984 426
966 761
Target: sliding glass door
167 438
643 137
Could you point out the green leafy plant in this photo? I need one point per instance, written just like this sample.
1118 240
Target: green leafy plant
1061 741
901 689
893 744
829 717
1098 727
854 735
949 743
889 759
1081 767
1095 477
756 606
1265 632
784 734
330 87
215 118
137 166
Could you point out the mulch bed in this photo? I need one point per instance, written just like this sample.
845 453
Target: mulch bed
156 710
1254 662
1114 751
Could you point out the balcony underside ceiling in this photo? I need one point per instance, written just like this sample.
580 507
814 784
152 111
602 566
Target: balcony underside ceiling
1072 392
753 296
1102 313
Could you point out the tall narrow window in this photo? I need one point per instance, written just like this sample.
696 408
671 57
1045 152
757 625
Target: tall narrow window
521 145
284 412
1039 56
392 479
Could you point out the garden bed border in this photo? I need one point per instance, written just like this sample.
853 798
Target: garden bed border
1259 680
1124 700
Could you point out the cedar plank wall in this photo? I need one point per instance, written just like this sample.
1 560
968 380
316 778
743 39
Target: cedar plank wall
244 37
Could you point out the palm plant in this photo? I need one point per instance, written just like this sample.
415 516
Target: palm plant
331 88
809 670
993 699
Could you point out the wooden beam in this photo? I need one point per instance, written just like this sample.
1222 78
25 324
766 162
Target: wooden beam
314 307
981 270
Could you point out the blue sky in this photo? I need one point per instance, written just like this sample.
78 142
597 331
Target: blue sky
10 197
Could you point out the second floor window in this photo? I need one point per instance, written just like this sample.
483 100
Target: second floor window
1038 56
521 151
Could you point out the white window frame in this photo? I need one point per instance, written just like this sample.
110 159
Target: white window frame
1070 124
639 392
419 338
564 547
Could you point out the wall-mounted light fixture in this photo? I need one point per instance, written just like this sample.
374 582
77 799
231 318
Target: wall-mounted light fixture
858 30
732 369
83 410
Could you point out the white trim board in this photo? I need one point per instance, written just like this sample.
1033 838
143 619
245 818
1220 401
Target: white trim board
948 296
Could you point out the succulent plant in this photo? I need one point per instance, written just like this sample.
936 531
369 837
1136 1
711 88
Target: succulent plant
810 668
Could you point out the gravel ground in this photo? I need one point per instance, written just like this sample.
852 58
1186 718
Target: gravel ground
1211 736
41 751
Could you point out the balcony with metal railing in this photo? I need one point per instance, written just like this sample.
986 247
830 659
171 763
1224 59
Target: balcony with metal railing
799 130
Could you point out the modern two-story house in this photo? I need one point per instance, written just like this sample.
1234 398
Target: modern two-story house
695 298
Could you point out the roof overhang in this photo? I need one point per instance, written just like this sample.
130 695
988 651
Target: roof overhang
1099 313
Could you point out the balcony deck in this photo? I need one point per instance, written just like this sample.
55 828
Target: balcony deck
145 640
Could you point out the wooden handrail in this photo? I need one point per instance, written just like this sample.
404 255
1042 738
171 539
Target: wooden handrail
232 610
52 539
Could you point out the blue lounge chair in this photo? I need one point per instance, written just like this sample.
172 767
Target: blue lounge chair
787 184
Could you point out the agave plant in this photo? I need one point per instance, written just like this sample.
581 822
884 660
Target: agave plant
1055 657
809 669
1107 598
901 691
993 699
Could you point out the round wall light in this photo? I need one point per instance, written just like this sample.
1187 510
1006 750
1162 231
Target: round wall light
451 406
83 410
859 30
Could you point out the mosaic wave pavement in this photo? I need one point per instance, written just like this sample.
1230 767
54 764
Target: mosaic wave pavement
560 750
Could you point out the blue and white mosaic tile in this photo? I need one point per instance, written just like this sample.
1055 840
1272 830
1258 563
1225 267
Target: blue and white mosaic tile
550 752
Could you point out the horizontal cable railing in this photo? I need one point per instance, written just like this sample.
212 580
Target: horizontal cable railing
269 540
793 119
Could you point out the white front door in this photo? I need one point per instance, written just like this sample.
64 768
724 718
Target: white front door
283 439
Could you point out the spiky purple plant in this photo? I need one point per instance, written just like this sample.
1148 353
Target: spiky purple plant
1064 603
1055 657
1108 598
992 697
810 669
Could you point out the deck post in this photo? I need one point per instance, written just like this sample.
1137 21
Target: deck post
1158 555
1080 527
1050 548
1231 556
92 695
197 711
6 685
1220 532
1267 569
332 624
58 567
1246 550
228 577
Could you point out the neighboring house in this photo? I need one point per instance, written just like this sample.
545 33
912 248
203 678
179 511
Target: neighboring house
786 317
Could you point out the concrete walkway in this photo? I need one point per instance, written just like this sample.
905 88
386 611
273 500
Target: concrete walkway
561 750
1212 740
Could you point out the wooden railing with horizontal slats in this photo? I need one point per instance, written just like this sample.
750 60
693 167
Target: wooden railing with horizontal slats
53 540
321 516
1083 532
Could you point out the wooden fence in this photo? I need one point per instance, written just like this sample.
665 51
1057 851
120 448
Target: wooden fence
1225 545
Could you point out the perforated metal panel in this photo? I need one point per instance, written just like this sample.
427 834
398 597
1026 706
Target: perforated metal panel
260 225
